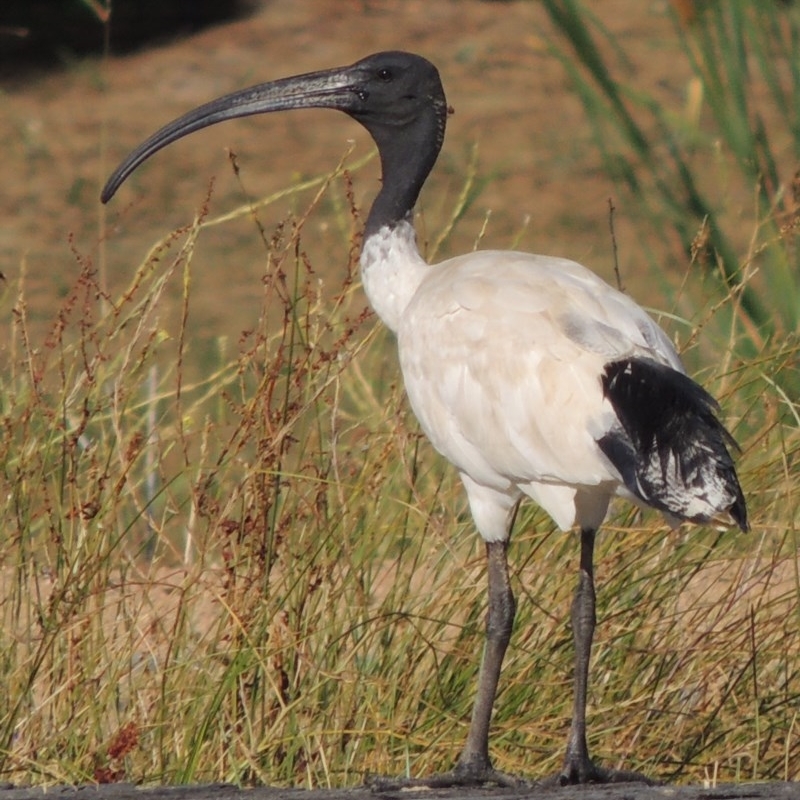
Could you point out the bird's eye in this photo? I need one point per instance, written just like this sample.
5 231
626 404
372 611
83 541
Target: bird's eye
385 74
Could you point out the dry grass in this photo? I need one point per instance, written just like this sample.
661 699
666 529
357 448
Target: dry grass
244 563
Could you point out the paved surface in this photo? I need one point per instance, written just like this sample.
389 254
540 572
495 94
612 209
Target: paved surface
746 791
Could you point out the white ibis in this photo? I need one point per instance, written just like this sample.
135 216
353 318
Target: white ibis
528 373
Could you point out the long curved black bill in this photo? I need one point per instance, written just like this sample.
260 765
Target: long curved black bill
333 88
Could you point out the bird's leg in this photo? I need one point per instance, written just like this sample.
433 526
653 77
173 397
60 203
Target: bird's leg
474 766
474 762
578 766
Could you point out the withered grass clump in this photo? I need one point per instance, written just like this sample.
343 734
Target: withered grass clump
251 567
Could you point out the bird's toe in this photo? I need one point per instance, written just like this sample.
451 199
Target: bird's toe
462 776
577 772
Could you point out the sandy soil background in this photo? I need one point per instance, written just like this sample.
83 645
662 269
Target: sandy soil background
63 130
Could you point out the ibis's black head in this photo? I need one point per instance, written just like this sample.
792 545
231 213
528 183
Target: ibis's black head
394 91
398 97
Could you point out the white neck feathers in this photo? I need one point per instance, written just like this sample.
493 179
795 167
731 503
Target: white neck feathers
392 270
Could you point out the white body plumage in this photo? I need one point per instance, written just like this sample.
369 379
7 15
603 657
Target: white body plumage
502 355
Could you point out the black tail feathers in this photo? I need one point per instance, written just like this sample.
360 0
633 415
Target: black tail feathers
669 447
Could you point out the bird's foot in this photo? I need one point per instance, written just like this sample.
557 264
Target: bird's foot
463 775
579 770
